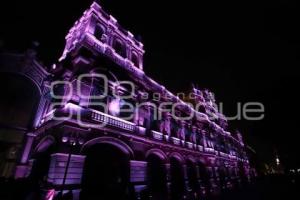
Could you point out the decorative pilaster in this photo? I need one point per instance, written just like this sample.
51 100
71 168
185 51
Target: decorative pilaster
194 135
181 132
165 125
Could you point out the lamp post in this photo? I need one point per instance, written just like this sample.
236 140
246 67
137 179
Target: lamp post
73 140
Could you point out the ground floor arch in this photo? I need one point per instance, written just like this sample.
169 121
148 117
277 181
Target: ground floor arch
106 173
177 178
157 176
204 178
222 177
192 175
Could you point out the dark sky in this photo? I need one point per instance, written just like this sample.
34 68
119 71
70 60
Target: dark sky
243 51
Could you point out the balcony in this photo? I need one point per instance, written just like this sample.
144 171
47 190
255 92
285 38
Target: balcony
209 150
157 135
175 141
109 120
99 119
200 148
224 155
190 145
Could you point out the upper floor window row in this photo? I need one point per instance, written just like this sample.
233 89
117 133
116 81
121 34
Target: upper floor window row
118 45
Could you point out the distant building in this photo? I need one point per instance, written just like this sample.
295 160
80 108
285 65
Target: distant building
77 134
22 83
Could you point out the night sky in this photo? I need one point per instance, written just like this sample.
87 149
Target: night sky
242 51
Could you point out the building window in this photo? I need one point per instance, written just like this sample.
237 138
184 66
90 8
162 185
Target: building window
98 101
119 48
135 59
99 31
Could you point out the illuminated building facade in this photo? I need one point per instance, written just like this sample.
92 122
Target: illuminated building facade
87 138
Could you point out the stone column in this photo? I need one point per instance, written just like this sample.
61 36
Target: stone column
168 174
197 172
165 125
181 132
212 179
128 51
22 170
110 36
194 135
140 59
28 146
200 182
40 112
204 139
186 180
142 118
198 176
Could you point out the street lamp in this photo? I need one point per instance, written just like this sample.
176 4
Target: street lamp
277 161
73 140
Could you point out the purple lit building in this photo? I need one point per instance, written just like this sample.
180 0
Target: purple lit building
83 136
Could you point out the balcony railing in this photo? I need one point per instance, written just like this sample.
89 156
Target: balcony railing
157 135
175 141
93 116
112 121
209 150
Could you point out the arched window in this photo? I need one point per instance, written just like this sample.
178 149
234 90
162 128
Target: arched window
99 31
135 59
96 102
120 48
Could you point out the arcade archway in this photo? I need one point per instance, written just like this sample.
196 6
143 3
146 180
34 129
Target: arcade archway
192 178
222 177
157 179
177 178
106 173
204 178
